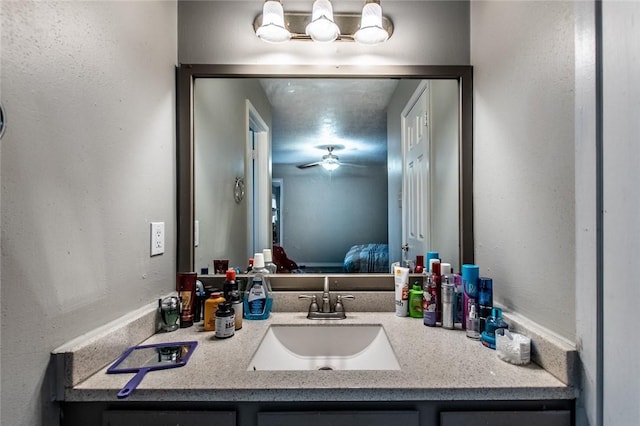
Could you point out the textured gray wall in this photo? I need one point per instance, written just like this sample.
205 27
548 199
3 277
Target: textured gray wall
426 33
524 218
88 160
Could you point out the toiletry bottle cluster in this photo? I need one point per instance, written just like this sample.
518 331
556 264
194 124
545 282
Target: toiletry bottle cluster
446 299
223 311
482 319
441 290
437 300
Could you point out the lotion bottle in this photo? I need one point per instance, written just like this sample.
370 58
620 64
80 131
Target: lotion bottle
415 301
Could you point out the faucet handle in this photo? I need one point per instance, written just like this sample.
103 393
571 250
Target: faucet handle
313 307
339 307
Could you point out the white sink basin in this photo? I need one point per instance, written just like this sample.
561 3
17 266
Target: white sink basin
324 347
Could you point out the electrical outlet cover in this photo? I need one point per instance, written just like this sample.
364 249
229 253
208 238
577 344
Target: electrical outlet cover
157 238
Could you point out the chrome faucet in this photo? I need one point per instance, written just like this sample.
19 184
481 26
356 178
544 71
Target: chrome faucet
326 311
326 297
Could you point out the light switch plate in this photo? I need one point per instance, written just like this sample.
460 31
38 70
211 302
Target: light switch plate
196 233
157 238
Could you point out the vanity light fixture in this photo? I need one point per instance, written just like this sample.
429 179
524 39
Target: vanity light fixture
322 25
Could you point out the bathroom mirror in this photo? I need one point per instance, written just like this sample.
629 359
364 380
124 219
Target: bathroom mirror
193 79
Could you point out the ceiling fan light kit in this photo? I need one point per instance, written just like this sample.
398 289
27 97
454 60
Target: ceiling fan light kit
328 162
275 25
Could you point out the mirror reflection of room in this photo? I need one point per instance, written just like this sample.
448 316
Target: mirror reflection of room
334 194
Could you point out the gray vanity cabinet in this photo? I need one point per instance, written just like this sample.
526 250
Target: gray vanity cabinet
315 413
342 418
168 418
506 418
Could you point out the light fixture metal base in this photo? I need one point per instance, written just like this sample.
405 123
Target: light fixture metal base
349 23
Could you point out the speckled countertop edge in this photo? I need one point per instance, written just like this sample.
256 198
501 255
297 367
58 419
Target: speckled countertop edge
306 394
81 357
437 364
552 352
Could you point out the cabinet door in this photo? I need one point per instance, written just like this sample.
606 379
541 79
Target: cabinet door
168 418
342 418
506 418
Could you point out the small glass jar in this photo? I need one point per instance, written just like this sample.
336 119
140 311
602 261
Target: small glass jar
169 313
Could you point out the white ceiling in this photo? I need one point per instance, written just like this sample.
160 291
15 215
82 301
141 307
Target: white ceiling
310 114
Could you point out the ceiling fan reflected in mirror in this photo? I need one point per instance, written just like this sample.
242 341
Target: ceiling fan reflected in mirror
329 161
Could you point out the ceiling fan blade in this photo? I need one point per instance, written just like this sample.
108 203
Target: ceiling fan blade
307 165
352 165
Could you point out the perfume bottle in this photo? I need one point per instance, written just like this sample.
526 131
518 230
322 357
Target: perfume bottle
485 300
473 331
494 322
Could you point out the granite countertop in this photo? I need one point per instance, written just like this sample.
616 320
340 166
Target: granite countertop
436 364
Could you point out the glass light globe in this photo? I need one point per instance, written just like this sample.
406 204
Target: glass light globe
371 30
322 27
330 164
272 29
